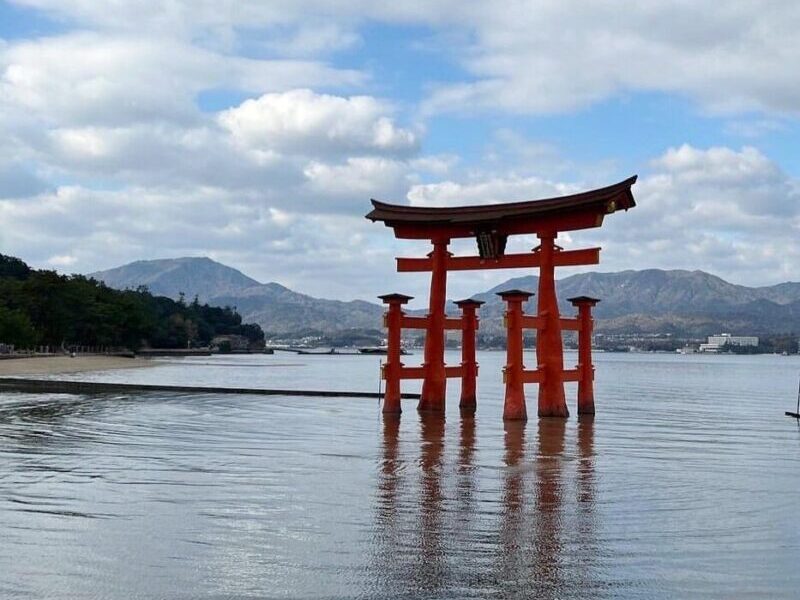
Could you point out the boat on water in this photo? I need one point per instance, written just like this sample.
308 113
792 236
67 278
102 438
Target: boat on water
336 352
379 350
321 351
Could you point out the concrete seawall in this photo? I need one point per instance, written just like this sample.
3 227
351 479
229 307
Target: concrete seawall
52 386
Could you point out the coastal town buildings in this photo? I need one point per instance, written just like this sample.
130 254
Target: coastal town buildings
717 343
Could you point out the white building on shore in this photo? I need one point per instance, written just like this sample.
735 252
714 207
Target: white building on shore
717 342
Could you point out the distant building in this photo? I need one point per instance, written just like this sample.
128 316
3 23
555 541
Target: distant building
231 343
717 342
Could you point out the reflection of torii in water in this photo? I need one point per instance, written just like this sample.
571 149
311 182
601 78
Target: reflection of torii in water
425 531
491 225
535 559
531 545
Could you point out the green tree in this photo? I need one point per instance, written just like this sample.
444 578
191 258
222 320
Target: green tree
47 308
16 328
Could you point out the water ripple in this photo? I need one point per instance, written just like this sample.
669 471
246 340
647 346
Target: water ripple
683 485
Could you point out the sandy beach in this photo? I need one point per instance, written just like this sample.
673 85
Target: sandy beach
51 365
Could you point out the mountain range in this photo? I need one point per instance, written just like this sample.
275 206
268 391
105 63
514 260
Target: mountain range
273 306
691 303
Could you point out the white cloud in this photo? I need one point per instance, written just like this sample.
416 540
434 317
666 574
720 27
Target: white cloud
744 179
734 213
221 17
486 191
359 177
555 56
163 155
754 128
436 164
311 39
300 121
96 79
544 56
293 173
61 261
118 110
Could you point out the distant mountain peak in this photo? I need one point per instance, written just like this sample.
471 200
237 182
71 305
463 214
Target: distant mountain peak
190 275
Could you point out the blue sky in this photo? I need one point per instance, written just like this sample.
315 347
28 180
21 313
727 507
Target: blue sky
256 132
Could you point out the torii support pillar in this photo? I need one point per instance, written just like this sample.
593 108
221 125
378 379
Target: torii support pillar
514 406
434 384
549 346
392 368
469 366
584 305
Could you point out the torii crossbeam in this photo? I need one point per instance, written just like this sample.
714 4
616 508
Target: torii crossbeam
491 225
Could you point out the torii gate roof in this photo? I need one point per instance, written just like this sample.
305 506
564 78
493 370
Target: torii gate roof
576 211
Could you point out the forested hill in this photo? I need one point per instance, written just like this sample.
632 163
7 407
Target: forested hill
45 308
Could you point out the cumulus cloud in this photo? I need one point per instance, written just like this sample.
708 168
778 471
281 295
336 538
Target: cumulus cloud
745 180
731 212
359 178
122 110
301 121
547 56
112 80
557 56
487 191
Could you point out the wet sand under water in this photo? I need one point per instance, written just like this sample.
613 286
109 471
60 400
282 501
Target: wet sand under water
53 365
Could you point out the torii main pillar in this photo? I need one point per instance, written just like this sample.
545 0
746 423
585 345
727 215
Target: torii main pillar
549 345
434 383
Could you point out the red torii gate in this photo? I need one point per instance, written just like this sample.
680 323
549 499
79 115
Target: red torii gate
491 225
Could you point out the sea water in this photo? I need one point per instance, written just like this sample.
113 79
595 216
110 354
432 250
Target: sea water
685 484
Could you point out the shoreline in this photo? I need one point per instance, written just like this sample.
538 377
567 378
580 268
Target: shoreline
54 365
